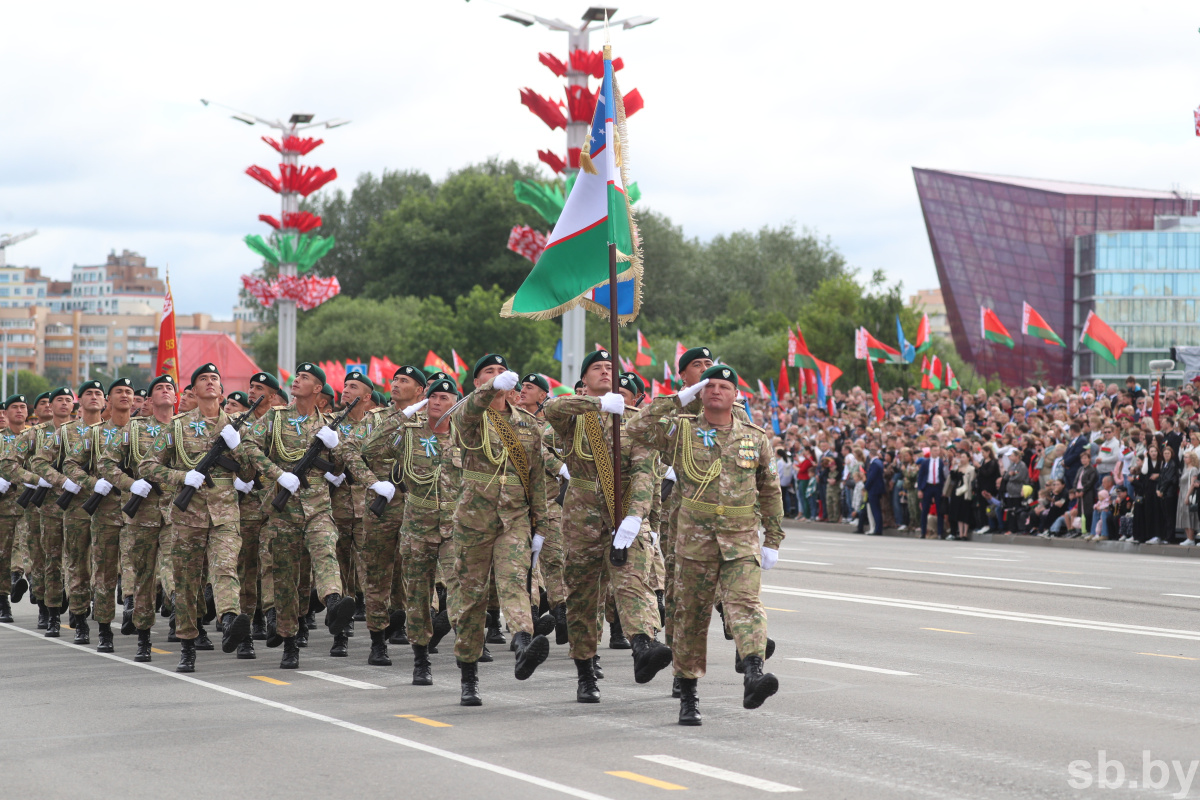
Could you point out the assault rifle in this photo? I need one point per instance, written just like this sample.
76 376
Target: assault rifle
313 457
215 457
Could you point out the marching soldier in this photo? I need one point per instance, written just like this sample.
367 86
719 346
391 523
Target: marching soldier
209 527
634 391
15 410
254 559
724 467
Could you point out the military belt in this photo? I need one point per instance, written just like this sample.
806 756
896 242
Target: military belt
719 510
221 481
582 485
483 477
421 502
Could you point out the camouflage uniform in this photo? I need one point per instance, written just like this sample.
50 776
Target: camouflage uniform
550 560
587 529
658 568
210 525
14 459
252 567
65 546
350 507
275 444
104 527
10 517
722 475
495 520
144 534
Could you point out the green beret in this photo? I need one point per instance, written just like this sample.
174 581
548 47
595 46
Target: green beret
204 369
578 386
362 378
592 358
187 388
16 398
379 398
436 375
411 372
283 393
83 387
328 391
120 382
266 379
167 379
239 397
141 393
443 385
637 386
489 360
40 398
312 369
62 391
691 355
538 381
722 372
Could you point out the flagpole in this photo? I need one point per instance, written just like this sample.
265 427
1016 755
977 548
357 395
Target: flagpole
616 557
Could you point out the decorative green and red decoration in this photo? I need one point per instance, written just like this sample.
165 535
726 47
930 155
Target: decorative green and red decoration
1101 339
992 329
1033 325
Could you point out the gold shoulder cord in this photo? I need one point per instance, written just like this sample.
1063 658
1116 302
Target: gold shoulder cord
424 480
180 451
289 456
687 464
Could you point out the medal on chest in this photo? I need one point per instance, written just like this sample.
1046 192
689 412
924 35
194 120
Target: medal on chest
747 455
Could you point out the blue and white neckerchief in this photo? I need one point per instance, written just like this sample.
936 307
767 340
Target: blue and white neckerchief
199 427
81 430
297 422
344 428
430 445
708 437
154 429
110 435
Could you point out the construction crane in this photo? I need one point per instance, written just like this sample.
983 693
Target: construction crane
7 239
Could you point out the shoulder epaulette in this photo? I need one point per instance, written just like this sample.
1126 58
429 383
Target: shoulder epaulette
278 408
686 416
413 423
755 427
181 414
523 411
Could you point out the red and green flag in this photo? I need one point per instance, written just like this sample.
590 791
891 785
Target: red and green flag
924 342
1101 339
992 329
784 388
868 347
801 357
1033 325
645 356
556 388
433 363
925 384
935 373
951 381
461 370
876 396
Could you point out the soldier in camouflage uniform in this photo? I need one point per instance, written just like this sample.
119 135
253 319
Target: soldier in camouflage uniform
147 531
14 465
15 410
502 505
209 527
724 468
46 462
633 389
253 495
590 527
275 445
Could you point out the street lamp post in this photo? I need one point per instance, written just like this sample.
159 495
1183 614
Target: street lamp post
573 336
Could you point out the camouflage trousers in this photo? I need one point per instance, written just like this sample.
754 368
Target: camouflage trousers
141 550
504 548
52 554
20 547
738 582
551 559
77 544
833 503
349 553
8 535
588 570
658 570
105 545
266 569
248 564
36 563
422 557
666 540
128 576
383 558
293 537
189 548
164 566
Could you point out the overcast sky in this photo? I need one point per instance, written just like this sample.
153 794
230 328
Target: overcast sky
756 113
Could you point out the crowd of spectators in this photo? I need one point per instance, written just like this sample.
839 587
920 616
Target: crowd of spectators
1092 462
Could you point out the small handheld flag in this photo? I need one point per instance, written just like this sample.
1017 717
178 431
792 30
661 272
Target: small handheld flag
1032 324
992 330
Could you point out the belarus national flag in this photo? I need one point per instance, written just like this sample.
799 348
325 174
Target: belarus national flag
923 340
935 373
801 356
1033 325
597 213
1101 339
645 356
868 347
992 329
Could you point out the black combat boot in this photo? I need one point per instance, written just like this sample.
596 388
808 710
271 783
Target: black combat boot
560 623
43 616
291 654
616 636
127 627
272 628
470 685
531 652
5 611
314 602
171 637
168 605
675 690
587 691
202 641
724 624
143 647
341 646
339 613
302 633
737 658
596 666
310 619
422 670
486 656
379 652
360 607
246 649
234 631
441 627
258 630
649 658
494 636
187 656
662 607
543 625
349 628
82 631
104 637
19 586
443 603
52 624
689 703
210 604
397 632
758 685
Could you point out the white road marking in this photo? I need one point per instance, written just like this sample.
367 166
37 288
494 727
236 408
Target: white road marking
350 726
969 611
721 774
1193 596
985 578
852 666
327 676
989 558
795 561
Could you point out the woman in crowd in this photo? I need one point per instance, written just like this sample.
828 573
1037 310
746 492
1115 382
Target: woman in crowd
988 476
805 467
1188 515
962 499
1167 491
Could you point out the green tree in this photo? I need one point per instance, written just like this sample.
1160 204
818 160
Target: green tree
27 383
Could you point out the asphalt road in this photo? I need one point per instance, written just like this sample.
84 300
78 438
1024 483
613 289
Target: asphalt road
908 668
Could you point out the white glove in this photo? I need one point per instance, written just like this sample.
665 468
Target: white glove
232 437
689 393
241 485
384 489
627 532
102 487
654 537
289 481
44 484
4 486
410 411
336 480
193 479
612 403
671 475
141 488
328 437
31 486
536 547
71 486
563 473
769 557
505 381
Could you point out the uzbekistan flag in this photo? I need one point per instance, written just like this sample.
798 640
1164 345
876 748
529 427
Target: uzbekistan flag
1032 324
923 340
597 213
992 329
1101 339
